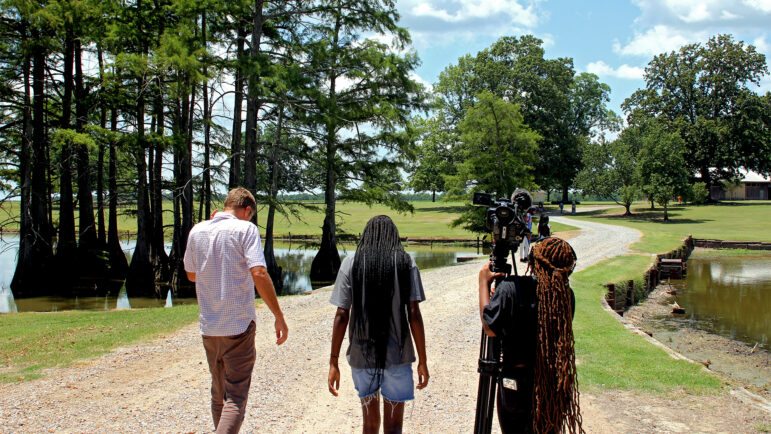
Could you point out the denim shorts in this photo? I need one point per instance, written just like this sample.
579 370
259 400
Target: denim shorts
395 383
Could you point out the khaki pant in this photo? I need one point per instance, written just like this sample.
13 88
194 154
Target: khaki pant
231 360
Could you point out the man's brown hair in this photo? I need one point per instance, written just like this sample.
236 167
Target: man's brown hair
240 197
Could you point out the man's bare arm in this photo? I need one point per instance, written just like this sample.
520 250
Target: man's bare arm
264 286
190 276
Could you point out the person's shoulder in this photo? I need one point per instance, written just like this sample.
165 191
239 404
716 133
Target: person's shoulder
200 227
347 262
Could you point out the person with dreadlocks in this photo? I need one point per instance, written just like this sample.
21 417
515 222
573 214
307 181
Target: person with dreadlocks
532 317
379 289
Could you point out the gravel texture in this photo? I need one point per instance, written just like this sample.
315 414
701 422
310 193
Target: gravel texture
163 385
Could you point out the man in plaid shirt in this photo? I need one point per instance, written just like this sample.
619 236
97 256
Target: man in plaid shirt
224 258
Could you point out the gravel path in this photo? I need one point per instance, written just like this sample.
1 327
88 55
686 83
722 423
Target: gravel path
163 386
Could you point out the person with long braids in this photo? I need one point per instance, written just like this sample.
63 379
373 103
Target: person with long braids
379 289
532 316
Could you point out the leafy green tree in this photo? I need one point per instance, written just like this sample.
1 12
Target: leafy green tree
609 169
498 155
661 165
564 108
702 93
432 158
361 99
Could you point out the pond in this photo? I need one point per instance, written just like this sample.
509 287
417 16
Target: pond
729 296
294 258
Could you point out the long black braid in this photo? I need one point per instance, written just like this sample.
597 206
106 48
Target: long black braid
379 258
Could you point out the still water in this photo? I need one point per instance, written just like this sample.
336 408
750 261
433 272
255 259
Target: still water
295 259
729 296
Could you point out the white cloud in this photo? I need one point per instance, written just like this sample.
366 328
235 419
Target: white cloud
624 71
415 77
465 10
659 39
761 45
763 5
435 23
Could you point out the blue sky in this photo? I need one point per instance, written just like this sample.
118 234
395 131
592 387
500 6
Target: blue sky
613 39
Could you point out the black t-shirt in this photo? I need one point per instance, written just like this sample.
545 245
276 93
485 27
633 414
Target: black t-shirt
512 315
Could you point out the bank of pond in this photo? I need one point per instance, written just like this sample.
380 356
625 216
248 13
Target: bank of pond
294 258
726 295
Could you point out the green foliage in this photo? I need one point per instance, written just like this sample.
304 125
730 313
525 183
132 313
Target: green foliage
702 93
565 109
661 165
698 193
497 154
609 171
432 160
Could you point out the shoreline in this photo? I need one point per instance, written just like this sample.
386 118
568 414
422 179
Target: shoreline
741 363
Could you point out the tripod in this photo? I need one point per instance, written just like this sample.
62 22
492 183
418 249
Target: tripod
489 367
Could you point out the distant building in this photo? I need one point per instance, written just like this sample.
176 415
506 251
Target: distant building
752 186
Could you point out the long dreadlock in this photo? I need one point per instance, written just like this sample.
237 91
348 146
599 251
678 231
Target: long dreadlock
555 391
379 258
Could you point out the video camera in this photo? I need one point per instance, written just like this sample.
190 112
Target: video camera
505 219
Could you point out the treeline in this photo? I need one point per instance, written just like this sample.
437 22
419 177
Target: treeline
510 117
170 98
696 123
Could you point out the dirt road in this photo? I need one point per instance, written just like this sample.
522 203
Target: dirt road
163 386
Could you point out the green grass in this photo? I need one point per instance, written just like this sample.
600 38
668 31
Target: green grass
728 253
430 219
30 342
736 221
608 356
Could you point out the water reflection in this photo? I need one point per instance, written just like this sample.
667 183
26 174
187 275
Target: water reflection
294 258
729 296
296 261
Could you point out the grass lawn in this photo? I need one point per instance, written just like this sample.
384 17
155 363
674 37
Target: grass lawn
736 221
31 342
430 219
608 356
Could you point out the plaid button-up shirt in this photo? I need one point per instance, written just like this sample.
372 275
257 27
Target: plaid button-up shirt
220 252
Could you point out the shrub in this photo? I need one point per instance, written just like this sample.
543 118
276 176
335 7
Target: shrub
699 193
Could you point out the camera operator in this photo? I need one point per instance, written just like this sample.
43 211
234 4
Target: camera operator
532 317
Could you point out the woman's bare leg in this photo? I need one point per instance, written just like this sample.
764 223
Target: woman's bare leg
393 416
370 408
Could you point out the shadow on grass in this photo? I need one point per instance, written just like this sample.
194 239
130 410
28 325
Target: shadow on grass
648 216
446 209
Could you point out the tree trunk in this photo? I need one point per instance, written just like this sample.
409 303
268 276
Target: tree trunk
102 232
66 243
253 105
30 276
270 258
180 284
666 214
206 129
87 225
140 281
565 194
91 269
118 262
627 212
160 258
326 263
235 146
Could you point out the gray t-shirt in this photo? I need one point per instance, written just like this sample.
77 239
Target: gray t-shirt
342 296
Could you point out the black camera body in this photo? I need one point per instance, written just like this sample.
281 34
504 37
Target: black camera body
505 220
